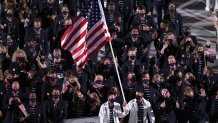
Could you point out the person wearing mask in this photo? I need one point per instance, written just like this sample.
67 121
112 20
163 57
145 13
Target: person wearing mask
100 86
153 67
178 85
140 109
57 63
147 28
187 47
170 48
60 31
10 24
164 109
171 66
194 106
20 65
161 33
200 61
110 111
7 82
149 92
161 5
60 25
4 61
117 43
73 6
190 81
12 103
132 64
11 43
136 41
49 9
208 79
93 104
33 109
49 83
175 20
32 50
55 109
107 70
82 77
129 85
27 13
111 14
34 84
79 105
38 34
187 33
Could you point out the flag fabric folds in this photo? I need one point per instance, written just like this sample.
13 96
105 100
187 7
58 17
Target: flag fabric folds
87 34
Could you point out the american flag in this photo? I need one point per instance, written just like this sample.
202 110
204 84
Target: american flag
87 34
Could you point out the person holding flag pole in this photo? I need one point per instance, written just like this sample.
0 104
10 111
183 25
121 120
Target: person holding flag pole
87 34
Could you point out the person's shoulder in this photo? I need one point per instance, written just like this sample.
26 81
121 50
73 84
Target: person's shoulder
116 104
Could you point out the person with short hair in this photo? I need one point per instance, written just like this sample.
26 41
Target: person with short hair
140 109
110 111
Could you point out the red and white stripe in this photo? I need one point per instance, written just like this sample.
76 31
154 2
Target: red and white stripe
83 43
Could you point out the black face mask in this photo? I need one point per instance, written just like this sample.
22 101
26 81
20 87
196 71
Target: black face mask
20 59
133 57
172 64
55 96
172 11
170 42
145 81
187 33
141 14
138 97
108 66
187 43
10 81
51 79
111 101
134 35
179 78
65 12
98 81
9 15
201 52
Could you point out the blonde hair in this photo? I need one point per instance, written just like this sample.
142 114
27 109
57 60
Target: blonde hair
171 57
189 74
100 76
165 40
14 57
155 77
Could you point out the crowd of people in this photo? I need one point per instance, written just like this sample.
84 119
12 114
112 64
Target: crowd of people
40 82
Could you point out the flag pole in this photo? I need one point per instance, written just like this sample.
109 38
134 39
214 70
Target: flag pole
118 75
112 51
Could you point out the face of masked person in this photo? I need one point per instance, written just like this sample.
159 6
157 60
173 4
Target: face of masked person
187 33
201 51
132 57
138 97
170 42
